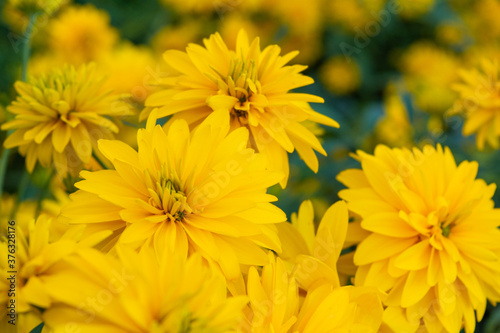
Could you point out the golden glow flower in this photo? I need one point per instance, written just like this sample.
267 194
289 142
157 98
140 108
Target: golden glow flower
274 299
253 86
394 129
353 14
129 69
327 307
81 34
340 75
203 191
32 257
315 252
414 9
345 309
434 242
429 72
60 116
479 99
145 292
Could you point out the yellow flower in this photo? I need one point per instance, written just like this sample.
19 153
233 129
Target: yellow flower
414 9
81 34
60 116
394 129
32 258
317 253
340 75
353 14
253 86
201 191
37 6
429 72
274 299
345 309
434 242
221 8
25 211
129 69
177 37
479 100
145 292
274 305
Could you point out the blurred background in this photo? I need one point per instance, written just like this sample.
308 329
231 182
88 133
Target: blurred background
386 69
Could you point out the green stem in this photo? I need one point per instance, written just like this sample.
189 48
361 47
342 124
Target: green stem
3 168
27 46
42 193
23 186
25 57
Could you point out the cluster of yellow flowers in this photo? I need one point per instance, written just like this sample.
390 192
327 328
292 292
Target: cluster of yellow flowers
171 227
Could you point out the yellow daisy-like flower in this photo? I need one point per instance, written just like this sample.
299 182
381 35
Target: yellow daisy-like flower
345 309
429 71
315 252
394 128
203 191
253 86
434 242
141 292
274 299
479 99
29 257
81 34
327 307
60 116
129 69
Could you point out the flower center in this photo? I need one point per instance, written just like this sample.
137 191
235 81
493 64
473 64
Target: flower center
166 196
241 82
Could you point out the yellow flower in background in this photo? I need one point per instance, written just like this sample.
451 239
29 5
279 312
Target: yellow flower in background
300 16
434 242
202 191
37 6
235 21
250 84
35 256
274 299
340 75
177 37
481 19
81 34
480 102
144 292
309 44
220 8
345 309
450 33
415 8
429 72
394 129
129 70
25 211
60 116
353 14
